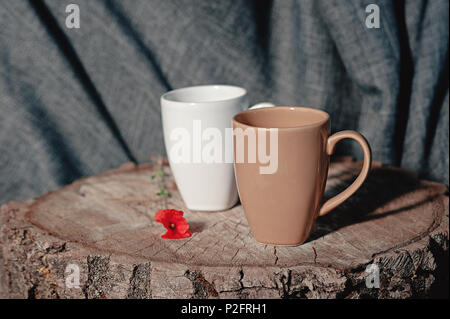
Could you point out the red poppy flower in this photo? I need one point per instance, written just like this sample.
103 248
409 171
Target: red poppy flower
173 220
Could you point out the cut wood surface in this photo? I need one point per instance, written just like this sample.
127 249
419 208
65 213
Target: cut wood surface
104 225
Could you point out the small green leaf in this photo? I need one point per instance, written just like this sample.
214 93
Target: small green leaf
159 173
163 193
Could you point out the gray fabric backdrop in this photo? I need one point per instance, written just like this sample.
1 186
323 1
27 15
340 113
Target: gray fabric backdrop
77 102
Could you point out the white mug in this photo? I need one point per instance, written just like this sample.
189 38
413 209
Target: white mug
198 137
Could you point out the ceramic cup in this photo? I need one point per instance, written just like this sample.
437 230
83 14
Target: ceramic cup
197 134
281 205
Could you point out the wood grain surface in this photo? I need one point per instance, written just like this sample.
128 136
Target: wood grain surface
104 224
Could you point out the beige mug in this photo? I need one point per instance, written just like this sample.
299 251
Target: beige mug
282 200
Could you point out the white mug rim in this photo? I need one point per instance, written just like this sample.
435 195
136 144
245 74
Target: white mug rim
167 96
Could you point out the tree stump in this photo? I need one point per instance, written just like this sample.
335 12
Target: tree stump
104 226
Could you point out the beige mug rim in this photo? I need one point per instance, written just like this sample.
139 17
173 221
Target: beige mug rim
326 117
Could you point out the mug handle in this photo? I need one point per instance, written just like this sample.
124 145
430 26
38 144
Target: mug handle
337 200
261 105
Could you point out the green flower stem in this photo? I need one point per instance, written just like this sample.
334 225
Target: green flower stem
163 193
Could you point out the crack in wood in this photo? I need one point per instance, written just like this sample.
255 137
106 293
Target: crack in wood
315 254
275 253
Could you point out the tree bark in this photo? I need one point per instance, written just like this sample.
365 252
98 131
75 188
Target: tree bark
104 226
